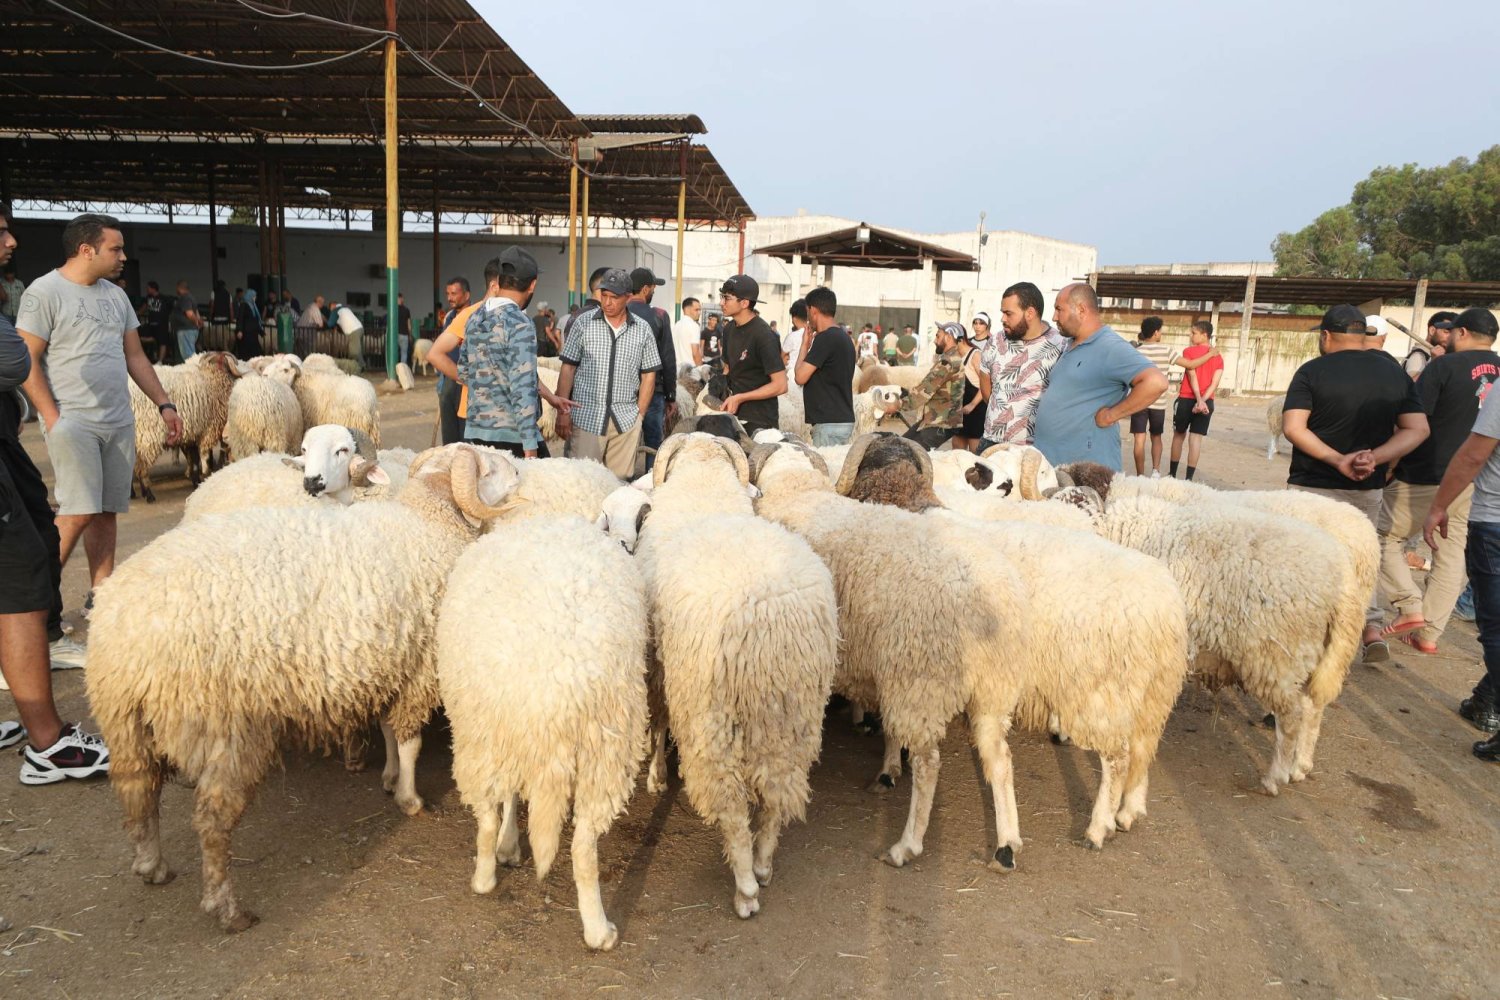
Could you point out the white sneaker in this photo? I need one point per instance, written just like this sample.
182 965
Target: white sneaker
76 754
67 654
1155 473
11 733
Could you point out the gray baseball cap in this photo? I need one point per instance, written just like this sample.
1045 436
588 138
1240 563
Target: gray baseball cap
615 281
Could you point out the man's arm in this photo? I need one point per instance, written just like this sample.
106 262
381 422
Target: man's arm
648 388
1462 470
1411 430
1294 428
15 360
697 352
1145 388
144 376
773 388
1198 362
1207 394
441 355
565 392
35 387
802 369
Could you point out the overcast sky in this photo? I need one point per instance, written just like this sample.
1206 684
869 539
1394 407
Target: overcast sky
1157 131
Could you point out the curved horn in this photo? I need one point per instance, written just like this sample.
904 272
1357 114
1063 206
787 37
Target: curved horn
816 459
1064 477
1031 463
736 455
467 465
664 455
423 459
995 449
851 463
362 443
924 460
758 455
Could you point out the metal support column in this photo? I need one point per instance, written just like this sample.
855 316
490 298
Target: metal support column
392 199
213 229
741 269
681 232
573 229
261 235
437 257
1244 369
583 267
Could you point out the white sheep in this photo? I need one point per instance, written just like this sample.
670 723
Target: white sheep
1273 424
876 373
546 708
328 396
272 622
200 389
877 408
1111 680
745 666
553 486
420 348
263 413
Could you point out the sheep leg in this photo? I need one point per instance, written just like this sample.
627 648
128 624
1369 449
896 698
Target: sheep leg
656 775
890 768
739 849
598 932
139 790
221 801
1312 724
1107 802
924 775
388 773
994 751
1288 737
1271 450
485 840
508 851
771 821
407 799
354 752
1137 781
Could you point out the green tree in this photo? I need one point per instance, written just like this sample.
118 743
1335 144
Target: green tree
1406 222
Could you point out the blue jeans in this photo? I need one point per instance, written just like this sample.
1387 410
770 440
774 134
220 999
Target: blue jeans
1482 557
187 343
653 425
831 435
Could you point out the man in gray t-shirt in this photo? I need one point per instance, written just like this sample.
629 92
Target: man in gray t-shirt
81 334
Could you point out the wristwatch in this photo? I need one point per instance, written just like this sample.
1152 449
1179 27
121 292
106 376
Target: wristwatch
168 405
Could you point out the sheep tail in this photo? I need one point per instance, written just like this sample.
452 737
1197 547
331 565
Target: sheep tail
547 812
1344 632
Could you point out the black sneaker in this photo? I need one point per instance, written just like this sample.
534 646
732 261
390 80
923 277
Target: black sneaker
76 754
11 733
1488 749
1481 714
88 606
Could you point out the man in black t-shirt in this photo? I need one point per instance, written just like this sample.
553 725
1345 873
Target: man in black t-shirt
1452 387
752 357
1349 414
711 342
643 285
825 370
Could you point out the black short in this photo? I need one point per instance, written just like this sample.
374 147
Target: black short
1148 419
1184 419
514 449
26 582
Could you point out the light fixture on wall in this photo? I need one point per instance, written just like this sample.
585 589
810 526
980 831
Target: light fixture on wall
862 234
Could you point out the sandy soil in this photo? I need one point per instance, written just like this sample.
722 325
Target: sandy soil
1371 879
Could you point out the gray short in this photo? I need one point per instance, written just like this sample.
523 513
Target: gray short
91 467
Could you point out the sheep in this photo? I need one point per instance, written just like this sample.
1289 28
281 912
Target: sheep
263 412
1110 679
554 364
1273 424
878 407
790 414
209 682
404 377
420 348
745 667
328 396
200 389
874 373
546 708
554 486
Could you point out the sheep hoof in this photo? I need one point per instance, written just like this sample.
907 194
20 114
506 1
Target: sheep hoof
883 784
388 781
763 875
605 941
1060 739
899 855
1270 786
483 885
510 859
157 874
149 495
1005 859
237 921
410 806
1125 819
746 906
655 785
1096 836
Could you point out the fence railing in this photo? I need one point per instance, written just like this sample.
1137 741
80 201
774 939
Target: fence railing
329 340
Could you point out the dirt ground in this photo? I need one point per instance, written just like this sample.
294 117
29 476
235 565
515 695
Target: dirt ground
1371 879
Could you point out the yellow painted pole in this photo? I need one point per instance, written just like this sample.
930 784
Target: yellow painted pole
392 199
583 269
573 234
681 231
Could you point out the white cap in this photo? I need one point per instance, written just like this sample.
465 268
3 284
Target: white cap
1377 326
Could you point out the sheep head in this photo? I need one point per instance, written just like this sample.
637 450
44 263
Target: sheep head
724 425
706 446
887 399
623 515
1091 474
480 481
1022 465
883 468
335 459
777 455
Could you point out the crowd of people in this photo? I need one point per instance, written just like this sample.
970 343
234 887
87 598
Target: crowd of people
1409 444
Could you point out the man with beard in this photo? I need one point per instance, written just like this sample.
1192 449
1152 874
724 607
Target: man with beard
1099 380
1439 337
499 365
1013 372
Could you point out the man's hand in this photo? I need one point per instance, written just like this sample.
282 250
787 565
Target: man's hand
174 425
1105 417
1364 463
1436 526
1346 464
1200 407
731 405
564 422
51 422
528 453
1438 350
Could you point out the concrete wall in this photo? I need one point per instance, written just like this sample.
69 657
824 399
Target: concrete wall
331 262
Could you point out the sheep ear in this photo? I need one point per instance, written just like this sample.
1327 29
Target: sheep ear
294 463
602 522
640 516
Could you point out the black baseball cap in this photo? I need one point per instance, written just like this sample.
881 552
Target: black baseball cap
615 281
1443 320
741 286
1344 319
643 276
518 264
1480 321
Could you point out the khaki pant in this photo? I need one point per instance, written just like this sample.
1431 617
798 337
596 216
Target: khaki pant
1402 515
1368 503
615 450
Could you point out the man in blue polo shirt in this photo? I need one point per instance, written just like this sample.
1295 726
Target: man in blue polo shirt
1099 380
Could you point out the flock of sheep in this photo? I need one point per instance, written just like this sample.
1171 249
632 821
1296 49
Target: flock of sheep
304 597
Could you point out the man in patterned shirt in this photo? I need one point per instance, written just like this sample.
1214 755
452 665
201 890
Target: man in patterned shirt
1013 372
609 365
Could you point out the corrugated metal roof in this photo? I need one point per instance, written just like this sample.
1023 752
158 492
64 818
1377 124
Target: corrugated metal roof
645 123
883 249
1291 291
